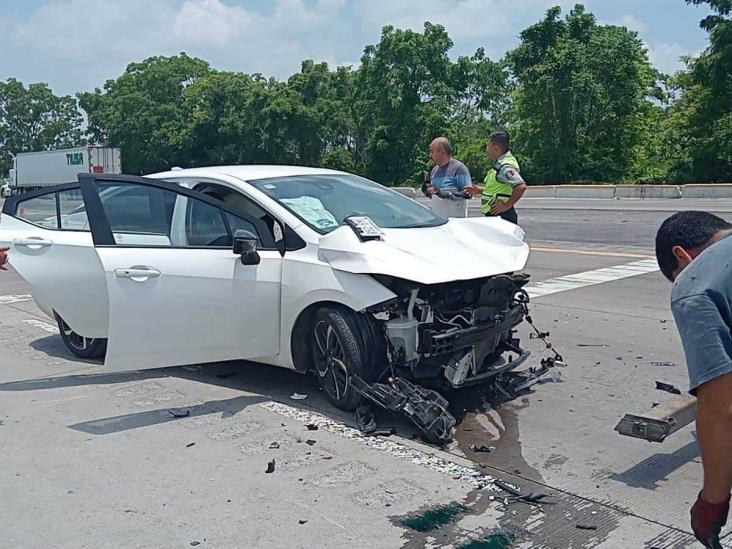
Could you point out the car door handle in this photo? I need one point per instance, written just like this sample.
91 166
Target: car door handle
137 274
34 242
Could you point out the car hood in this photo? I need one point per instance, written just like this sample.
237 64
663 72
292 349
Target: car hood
462 249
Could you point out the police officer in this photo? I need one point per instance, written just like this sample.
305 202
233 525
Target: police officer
504 185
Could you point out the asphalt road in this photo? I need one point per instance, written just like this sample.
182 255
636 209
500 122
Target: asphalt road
626 223
99 461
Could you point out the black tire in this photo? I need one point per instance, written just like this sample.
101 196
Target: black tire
83 347
340 349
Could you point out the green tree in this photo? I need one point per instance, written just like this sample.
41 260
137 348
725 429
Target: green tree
701 120
221 126
582 93
34 119
404 92
144 112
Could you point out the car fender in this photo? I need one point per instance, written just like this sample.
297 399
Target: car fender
306 283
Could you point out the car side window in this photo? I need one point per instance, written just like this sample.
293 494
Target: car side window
55 210
238 202
147 215
72 210
205 225
39 210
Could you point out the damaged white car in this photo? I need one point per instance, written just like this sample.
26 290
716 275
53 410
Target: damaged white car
310 269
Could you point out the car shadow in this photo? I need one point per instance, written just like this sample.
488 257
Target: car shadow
126 422
260 383
650 472
53 347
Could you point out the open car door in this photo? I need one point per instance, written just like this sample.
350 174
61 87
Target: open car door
52 249
177 292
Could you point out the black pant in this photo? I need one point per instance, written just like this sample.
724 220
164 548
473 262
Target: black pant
509 215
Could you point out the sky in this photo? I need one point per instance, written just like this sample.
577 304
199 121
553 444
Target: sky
76 45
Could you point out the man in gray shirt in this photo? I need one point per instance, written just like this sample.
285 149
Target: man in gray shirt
694 250
448 181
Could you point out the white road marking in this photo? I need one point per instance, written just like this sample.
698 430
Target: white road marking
589 252
7 299
409 453
45 326
591 278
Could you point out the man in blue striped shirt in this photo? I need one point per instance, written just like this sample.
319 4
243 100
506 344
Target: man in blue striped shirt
449 181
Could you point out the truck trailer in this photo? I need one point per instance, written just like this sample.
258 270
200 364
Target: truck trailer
36 170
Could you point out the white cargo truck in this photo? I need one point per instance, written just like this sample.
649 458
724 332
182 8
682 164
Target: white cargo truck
46 168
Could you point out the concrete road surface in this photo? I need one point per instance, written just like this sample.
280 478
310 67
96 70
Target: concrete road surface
177 457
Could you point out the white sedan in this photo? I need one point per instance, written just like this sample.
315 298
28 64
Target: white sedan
309 269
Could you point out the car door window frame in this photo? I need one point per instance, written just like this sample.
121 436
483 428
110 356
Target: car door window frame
103 236
10 207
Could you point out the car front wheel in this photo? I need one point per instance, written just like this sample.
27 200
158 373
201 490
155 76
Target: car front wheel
339 352
83 347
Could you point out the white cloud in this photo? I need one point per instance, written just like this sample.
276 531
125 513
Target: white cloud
633 24
209 22
80 29
463 19
667 57
98 38
628 21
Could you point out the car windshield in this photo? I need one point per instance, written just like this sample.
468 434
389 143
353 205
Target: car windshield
325 201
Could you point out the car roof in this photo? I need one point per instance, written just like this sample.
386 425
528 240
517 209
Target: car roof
245 173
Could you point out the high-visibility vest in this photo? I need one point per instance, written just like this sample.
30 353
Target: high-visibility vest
494 191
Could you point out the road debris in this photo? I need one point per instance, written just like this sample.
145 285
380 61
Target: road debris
179 413
311 427
298 396
367 423
301 522
482 448
663 364
190 444
669 388
365 418
516 495
274 446
195 543
586 526
270 467
311 442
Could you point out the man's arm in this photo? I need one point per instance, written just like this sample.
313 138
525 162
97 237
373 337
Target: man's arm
518 192
3 258
510 175
714 432
463 182
708 348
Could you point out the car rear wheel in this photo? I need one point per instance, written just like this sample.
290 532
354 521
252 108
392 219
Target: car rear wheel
339 352
83 347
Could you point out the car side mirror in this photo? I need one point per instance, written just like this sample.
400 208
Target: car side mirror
245 245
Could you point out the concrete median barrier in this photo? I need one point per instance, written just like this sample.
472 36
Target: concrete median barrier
722 190
541 191
647 191
585 191
409 192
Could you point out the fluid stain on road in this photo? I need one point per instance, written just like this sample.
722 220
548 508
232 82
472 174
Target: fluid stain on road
497 540
435 517
483 422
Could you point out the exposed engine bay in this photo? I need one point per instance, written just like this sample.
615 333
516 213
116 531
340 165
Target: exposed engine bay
450 336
